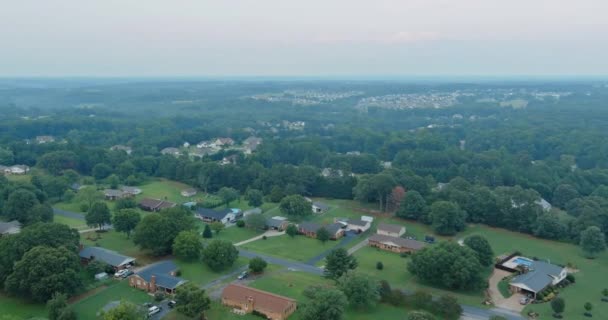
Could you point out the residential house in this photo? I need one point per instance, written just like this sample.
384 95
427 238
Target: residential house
537 277
113 194
277 223
544 204
229 160
209 215
201 152
154 205
251 144
332 173
248 300
223 142
76 187
319 207
11 227
171 151
310 229
252 211
391 230
357 225
130 191
190 192
109 257
16 169
120 147
44 139
158 277
395 244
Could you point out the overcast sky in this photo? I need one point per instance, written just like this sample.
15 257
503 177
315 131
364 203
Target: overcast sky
303 37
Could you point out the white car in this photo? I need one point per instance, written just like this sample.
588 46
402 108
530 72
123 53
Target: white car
121 273
524 300
153 310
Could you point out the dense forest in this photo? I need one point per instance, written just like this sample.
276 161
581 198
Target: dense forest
482 159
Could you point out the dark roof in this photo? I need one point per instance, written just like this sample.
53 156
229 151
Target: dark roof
313 227
162 271
156 204
261 299
320 205
110 257
541 274
275 223
358 222
210 213
333 228
392 228
5 227
405 243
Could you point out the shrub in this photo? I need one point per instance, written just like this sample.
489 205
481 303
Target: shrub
264 237
570 277
159 296
84 207
240 223
379 265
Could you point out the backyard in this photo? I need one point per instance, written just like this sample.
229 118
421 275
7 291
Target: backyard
88 307
298 248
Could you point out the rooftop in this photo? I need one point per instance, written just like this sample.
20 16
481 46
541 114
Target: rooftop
406 243
262 299
110 257
162 271
392 228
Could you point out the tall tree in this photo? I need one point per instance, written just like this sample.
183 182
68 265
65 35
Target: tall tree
360 290
323 235
207 234
482 248
98 215
291 230
124 311
88 195
228 195
413 206
325 303
157 231
187 246
295 206
192 300
593 241
558 305
217 226
447 218
257 264
564 193
59 274
126 220
220 254
56 305
338 262
19 206
254 197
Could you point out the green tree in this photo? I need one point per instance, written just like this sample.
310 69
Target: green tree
295 206
463 272
323 235
157 231
257 265
564 193
593 241
207 234
325 303
187 246
255 221
482 248
338 262
291 230
420 315
101 171
220 254
6 157
19 206
254 197
59 274
360 290
588 306
42 212
558 305
217 226
125 203
98 215
447 218
125 220
228 195
549 226
412 206
448 308
276 194
56 305
88 195
124 311
192 300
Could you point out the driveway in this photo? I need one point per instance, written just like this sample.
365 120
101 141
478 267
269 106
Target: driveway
164 305
511 303
293 265
349 237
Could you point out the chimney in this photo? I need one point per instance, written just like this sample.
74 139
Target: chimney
250 302
152 287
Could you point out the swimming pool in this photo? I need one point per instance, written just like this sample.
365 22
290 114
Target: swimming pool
523 261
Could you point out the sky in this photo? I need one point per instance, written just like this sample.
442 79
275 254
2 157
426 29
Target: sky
190 38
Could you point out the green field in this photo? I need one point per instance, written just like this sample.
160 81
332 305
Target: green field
88 307
73 223
20 308
234 234
299 248
199 273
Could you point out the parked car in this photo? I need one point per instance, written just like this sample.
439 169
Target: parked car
121 273
524 300
171 303
429 239
243 275
154 310
128 273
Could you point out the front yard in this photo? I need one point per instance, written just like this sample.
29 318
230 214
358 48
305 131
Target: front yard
199 273
88 307
298 248
21 308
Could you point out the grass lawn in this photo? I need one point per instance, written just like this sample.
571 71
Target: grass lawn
503 287
235 234
217 311
590 280
19 177
199 273
21 308
88 307
299 248
73 223
116 241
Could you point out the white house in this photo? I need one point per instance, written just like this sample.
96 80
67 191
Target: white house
539 276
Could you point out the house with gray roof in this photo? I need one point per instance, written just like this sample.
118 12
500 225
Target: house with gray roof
12 227
310 229
109 257
113 194
538 276
276 223
209 215
319 207
158 277
394 244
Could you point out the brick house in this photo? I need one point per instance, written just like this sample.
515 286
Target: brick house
158 277
310 229
394 244
248 300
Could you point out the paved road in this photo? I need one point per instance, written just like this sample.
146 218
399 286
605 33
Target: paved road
293 265
475 313
349 237
164 309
